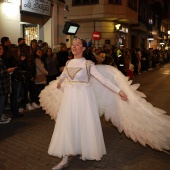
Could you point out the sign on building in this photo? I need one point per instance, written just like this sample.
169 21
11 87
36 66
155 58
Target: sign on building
42 7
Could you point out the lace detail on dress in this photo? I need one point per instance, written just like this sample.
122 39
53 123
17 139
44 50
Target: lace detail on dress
72 71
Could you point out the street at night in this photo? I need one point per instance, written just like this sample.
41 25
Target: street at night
24 141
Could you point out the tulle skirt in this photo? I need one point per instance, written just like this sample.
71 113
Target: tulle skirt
78 128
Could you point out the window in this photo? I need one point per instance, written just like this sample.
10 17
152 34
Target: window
132 4
30 33
118 2
84 2
143 12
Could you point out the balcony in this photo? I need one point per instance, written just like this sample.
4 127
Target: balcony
103 12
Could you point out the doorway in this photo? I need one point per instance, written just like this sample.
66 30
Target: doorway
30 32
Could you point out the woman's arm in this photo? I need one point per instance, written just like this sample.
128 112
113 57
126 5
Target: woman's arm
94 72
61 78
40 66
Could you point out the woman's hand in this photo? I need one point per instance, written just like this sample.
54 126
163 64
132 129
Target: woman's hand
58 86
123 95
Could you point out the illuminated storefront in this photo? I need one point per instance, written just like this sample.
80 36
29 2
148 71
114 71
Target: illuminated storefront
31 19
121 34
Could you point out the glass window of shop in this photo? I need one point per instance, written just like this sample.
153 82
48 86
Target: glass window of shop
84 2
117 2
30 33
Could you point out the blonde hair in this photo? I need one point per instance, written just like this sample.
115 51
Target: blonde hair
56 48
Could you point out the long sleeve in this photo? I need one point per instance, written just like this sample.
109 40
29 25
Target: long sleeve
62 76
94 72
40 66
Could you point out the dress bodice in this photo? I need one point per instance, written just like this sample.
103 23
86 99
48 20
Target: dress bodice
80 70
76 70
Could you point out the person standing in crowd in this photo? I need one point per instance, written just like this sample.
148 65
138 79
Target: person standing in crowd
6 43
91 55
144 60
100 57
21 41
31 76
77 105
62 57
115 57
120 55
134 61
130 72
4 86
51 65
33 47
39 43
119 52
13 61
126 62
24 82
56 48
44 47
89 43
139 57
21 44
40 70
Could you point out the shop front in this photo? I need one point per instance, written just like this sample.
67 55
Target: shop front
34 16
31 19
121 32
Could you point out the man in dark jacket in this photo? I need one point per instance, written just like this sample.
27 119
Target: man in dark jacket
4 86
62 57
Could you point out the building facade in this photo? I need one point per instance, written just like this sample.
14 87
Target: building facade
120 22
132 23
32 19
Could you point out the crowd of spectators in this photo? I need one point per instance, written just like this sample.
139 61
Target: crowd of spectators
25 70
130 62
21 65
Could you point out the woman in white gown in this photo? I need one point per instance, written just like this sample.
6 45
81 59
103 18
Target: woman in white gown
86 94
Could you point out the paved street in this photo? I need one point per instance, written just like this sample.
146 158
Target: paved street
24 141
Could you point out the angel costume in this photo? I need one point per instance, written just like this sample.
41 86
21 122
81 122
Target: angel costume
88 91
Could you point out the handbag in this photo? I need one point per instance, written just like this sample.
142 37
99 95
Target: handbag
40 78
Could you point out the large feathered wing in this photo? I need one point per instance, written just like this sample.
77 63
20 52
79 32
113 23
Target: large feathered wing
137 118
50 99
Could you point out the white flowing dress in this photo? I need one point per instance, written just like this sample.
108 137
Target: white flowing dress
89 91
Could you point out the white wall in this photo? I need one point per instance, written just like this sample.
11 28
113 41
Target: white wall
48 32
53 27
10 20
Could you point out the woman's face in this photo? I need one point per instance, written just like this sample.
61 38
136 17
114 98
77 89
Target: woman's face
34 45
49 52
1 50
77 47
98 51
39 53
23 58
